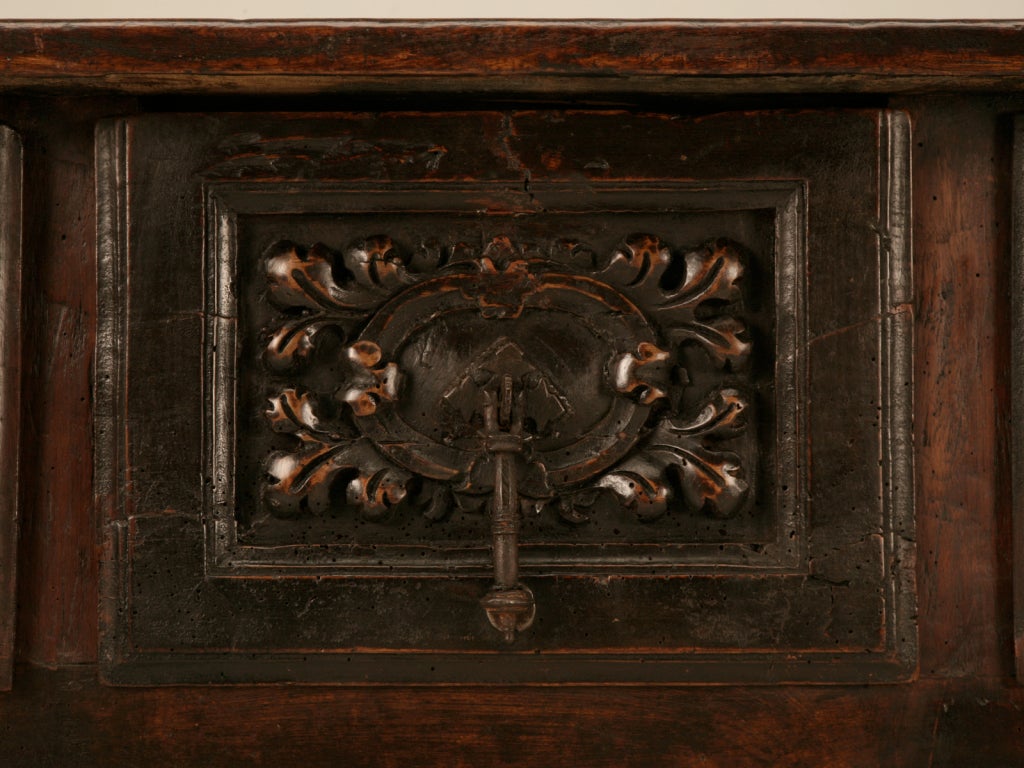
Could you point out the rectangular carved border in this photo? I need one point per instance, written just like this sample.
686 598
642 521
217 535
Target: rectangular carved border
226 557
896 355
1017 394
177 542
10 387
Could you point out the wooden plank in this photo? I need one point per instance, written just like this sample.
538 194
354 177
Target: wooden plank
59 549
1017 352
823 618
595 55
10 387
976 729
65 718
961 405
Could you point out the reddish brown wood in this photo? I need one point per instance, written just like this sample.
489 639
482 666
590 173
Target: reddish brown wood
10 386
1017 391
965 710
961 169
65 718
57 620
973 728
1017 394
68 718
597 55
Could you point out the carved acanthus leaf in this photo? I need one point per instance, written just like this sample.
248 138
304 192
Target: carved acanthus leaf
631 373
640 486
301 480
293 342
301 278
292 411
375 266
719 336
370 383
643 269
684 298
722 417
710 479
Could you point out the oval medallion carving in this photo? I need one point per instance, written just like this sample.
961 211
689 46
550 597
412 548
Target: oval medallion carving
591 345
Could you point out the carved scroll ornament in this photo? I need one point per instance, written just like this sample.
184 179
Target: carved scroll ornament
507 378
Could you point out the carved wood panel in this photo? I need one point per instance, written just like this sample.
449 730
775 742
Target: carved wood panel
639 384
10 386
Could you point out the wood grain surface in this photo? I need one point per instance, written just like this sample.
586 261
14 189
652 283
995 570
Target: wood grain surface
964 709
822 593
64 718
59 549
1017 394
961 230
10 387
590 56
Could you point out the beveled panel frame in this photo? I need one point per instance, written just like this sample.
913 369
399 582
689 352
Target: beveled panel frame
178 608
226 556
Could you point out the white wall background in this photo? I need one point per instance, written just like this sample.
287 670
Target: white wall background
520 9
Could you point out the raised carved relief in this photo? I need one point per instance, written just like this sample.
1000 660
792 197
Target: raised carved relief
507 379
656 449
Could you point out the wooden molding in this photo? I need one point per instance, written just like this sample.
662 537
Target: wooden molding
597 56
10 387
1017 396
308 526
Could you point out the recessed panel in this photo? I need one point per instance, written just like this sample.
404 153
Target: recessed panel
506 397
585 318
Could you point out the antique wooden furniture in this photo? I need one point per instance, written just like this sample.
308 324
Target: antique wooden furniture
507 393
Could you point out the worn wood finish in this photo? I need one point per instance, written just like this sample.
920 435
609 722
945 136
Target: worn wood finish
676 476
529 295
553 56
10 387
556 338
961 244
965 709
65 718
57 618
1017 408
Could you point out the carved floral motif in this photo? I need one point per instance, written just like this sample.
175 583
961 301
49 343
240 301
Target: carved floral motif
657 300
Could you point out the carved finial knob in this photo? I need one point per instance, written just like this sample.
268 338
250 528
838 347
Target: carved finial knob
509 610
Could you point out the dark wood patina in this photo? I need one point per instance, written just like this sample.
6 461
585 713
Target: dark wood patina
506 356
180 483
10 387
527 379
